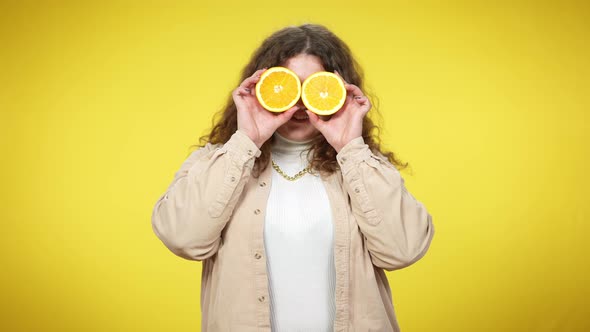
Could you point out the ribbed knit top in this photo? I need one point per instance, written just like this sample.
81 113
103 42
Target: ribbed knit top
298 240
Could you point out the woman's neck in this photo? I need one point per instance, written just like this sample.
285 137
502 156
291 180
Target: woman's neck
284 145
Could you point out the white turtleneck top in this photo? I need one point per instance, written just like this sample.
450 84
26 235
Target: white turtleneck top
298 240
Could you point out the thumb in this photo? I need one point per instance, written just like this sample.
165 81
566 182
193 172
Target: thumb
315 120
286 115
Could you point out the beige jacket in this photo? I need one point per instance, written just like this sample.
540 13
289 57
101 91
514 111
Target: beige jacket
213 211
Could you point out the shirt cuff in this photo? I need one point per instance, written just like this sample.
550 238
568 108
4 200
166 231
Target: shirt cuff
241 147
353 153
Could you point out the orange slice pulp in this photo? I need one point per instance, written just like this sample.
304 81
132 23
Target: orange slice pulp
278 89
323 93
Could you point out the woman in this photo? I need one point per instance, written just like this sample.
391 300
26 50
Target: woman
301 245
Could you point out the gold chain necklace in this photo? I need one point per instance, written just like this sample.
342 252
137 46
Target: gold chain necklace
290 178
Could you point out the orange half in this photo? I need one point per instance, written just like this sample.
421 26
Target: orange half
323 93
278 89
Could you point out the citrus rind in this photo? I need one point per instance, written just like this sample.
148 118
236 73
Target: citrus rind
269 72
310 105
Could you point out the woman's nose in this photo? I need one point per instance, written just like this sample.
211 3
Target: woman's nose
300 103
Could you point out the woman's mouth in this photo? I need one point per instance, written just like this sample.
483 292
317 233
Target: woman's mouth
300 117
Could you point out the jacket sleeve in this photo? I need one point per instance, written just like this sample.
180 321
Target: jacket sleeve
396 227
189 217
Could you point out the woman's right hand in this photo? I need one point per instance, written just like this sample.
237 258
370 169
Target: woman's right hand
253 119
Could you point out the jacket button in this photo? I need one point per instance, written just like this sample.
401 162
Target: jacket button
357 190
233 178
262 184
249 152
261 299
343 159
257 211
257 255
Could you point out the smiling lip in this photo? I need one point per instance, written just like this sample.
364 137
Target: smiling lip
300 116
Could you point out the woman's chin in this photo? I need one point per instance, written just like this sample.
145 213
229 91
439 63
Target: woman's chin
298 134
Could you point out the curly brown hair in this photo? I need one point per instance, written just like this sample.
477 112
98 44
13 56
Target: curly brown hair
312 39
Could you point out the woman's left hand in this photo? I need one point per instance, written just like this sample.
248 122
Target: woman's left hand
346 124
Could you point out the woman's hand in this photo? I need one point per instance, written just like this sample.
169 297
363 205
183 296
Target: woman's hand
253 119
346 124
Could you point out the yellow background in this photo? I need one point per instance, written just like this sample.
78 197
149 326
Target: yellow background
487 101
